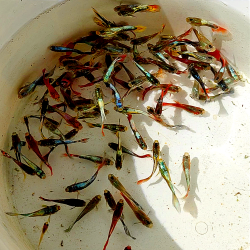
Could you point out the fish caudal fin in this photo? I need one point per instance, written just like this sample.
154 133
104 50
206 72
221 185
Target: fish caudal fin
220 30
153 8
176 203
12 214
186 195
102 130
83 140
142 181
68 229
140 28
90 125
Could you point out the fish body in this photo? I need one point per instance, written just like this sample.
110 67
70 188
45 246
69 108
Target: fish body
166 176
112 127
144 39
112 204
157 54
202 22
27 169
117 184
17 145
158 108
154 116
71 134
164 65
105 22
56 142
92 114
99 98
202 57
44 108
218 76
116 216
72 121
90 206
114 146
136 133
195 92
118 159
139 213
48 210
65 49
30 88
68 100
111 32
196 76
204 42
151 78
189 108
186 169
52 91
39 172
93 158
118 99
109 199
129 10
111 67
156 155
51 125
32 143
171 88
44 230
81 185
69 202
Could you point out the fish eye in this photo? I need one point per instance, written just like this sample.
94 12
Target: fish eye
210 46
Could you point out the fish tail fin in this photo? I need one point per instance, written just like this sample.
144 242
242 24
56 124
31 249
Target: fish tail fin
51 171
163 27
5 154
121 58
140 28
102 130
186 195
83 140
12 214
68 229
90 125
143 180
65 154
145 156
105 246
153 8
220 30
176 203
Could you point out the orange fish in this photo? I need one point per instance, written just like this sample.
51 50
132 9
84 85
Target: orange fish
189 108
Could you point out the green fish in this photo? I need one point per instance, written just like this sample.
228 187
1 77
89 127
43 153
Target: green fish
165 174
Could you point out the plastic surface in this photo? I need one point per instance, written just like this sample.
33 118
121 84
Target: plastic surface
216 216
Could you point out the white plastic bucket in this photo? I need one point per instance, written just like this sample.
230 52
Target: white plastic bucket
222 221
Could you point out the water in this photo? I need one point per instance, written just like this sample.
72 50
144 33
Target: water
218 199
